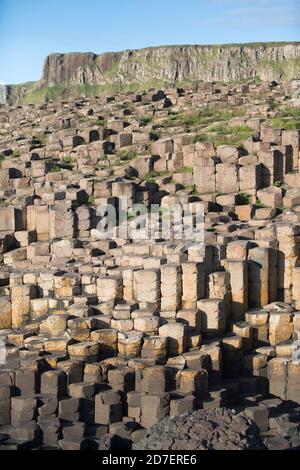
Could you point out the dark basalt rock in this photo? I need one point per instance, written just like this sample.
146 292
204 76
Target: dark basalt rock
219 429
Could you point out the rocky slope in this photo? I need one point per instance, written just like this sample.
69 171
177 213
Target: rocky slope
175 64
102 337
219 429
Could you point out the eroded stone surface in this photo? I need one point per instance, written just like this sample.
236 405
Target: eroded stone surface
103 338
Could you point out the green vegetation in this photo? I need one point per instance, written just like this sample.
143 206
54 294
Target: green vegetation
203 117
52 167
246 81
192 188
76 205
150 177
259 204
272 103
145 121
68 160
286 123
2 157
185 169
91 201
44 95
286 69
16 92
195 192
113 70
27 93
126 155
16 153
68 163
64 91
287 118
226 129
41 138
223 134
243 199
200 138
100 122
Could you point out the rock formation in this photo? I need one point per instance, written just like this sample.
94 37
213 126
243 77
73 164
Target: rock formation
175 64
219 429
3 93
102 337
85 74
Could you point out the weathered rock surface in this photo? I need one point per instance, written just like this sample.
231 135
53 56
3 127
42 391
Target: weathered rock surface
163 65
174 63
219 429
101 339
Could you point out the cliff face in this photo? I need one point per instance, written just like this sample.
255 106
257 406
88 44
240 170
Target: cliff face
174 64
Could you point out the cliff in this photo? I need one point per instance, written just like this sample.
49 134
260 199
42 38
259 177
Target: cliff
175 64
82 74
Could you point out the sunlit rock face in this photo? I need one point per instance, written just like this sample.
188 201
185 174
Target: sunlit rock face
266 61
3 93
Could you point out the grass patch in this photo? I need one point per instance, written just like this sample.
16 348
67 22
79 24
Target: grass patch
65 91
223 134
185 169
243 199
145 121
273 104
192 188
68 160
259 204
68 163
16 153
52 167
150 177
204 116
200 138
100 122
287 118
287 123
126 155
41 138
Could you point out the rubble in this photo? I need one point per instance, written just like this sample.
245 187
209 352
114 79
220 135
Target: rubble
219 429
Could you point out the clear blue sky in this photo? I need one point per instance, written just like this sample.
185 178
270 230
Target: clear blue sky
31 29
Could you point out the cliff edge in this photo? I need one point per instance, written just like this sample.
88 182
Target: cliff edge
175 64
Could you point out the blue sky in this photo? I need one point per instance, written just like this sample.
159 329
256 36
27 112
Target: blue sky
31 29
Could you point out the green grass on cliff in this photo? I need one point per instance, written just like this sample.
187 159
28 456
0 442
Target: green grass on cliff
286 69
28 93
44 95
66 91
